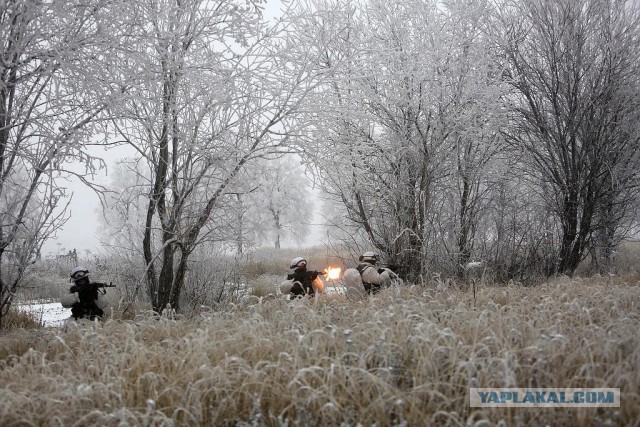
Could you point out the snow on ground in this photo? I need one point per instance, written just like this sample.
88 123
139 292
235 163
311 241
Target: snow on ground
49 313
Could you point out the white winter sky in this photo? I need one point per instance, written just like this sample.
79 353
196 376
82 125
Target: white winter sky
81 231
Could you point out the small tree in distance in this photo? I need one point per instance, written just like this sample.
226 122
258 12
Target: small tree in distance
285 200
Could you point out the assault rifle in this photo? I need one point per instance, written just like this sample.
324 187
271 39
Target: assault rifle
311 274
90 288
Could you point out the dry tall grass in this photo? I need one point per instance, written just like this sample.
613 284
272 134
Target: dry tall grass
405 359
16 319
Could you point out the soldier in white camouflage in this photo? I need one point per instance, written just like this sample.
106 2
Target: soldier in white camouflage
301 282
84 299
374 278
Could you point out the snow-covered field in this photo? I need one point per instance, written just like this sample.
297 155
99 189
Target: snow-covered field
49 313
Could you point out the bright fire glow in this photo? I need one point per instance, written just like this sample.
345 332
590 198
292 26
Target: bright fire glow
332 273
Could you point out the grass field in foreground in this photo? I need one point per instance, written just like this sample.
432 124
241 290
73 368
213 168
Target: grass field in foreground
404 359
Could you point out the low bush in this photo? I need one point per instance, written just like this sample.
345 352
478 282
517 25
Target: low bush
17 319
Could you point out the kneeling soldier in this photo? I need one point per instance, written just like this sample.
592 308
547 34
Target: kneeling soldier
84 298
302 282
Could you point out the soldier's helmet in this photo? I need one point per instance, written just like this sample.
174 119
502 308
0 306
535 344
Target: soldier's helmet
296 261
371 257
78 273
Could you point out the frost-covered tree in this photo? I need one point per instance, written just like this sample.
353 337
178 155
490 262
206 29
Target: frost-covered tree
409 124
125 207
285 201
49 97
216 90
575 66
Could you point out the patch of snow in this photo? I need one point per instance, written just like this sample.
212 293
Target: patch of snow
49 313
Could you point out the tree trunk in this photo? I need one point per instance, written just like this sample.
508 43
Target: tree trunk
239 225
278 228
464 252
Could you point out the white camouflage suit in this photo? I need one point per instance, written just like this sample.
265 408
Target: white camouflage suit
367 278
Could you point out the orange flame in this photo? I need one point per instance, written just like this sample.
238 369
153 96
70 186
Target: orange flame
332 273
